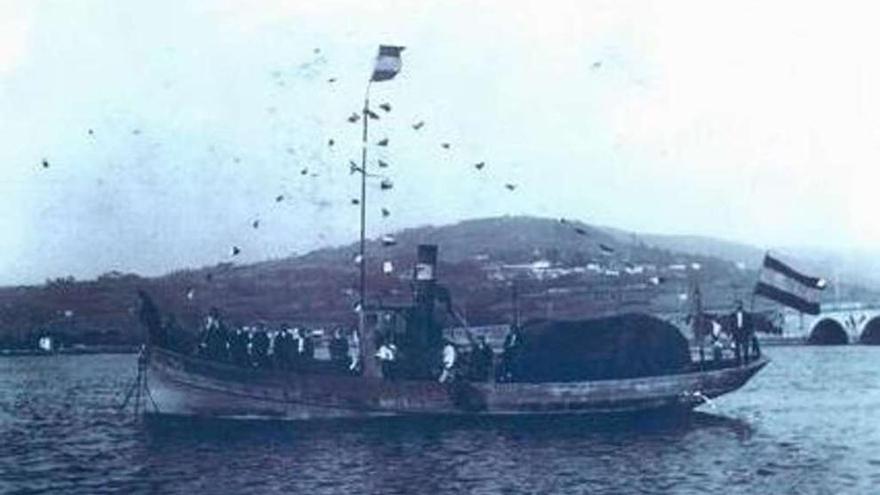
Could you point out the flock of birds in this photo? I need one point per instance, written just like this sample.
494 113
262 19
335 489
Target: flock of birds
312 68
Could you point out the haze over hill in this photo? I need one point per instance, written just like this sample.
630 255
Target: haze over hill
563 269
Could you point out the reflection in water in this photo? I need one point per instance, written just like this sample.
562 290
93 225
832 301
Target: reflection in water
435 454
665 427
61 435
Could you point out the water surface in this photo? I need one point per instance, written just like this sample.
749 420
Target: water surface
808 423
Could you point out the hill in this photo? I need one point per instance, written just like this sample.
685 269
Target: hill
561 268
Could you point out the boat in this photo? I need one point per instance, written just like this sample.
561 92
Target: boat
185 384
181 385
176 382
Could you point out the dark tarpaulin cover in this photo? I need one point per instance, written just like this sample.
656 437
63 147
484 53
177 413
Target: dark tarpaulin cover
622 346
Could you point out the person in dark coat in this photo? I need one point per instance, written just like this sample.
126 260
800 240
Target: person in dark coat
260 348
482 360
283 348
740 330
338 348
308 347
512 345
238 347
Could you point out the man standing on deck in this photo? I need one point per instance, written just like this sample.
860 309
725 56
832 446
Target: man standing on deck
299 348
338 348
260 347
283 348
483 360
741 323
510 355
449 358
387 356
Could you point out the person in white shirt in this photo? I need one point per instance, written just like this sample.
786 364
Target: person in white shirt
717 341
449 358
387 356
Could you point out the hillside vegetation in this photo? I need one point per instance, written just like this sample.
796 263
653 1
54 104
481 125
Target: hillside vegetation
560 269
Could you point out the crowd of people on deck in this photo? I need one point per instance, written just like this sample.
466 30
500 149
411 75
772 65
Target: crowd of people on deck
259 346
475 361
294 348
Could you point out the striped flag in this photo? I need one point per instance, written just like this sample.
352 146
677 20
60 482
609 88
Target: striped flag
789 287
387 63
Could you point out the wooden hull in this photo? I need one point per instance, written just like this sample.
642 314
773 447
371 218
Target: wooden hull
184 385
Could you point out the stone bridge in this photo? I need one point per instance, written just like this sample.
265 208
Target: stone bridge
843 323
837 324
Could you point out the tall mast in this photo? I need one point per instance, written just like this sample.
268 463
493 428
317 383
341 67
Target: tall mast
367 340
387 65
363 238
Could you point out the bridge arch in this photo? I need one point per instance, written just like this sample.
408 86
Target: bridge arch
871 332
828 331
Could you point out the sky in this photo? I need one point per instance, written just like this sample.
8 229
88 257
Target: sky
169 127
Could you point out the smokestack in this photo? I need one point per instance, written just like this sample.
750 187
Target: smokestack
426 263
424 280
425 334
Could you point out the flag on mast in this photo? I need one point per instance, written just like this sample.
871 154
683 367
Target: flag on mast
785 285
387 63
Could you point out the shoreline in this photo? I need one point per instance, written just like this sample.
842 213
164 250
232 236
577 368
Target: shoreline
98 349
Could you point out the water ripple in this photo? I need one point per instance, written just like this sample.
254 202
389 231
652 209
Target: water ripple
805 425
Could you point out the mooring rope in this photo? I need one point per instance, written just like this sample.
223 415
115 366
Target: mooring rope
139 387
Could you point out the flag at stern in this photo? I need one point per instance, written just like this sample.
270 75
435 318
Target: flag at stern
785 285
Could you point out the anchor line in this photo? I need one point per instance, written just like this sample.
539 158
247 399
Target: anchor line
128 394
150 394
139 387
